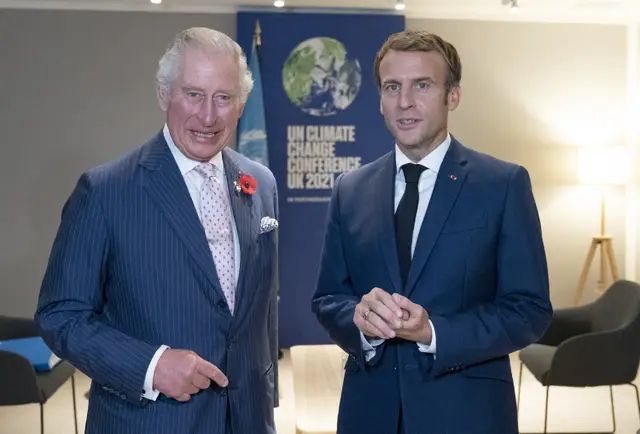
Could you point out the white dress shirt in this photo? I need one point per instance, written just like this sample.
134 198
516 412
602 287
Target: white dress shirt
426 183
194 182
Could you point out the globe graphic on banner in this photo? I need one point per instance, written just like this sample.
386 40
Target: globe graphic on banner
319 78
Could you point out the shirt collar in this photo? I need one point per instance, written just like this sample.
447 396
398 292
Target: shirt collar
186 164
432 161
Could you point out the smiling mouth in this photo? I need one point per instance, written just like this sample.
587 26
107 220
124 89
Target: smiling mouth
205 136
408 121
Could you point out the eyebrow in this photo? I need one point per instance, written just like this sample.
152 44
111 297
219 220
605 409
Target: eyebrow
419 79
429 79
187 86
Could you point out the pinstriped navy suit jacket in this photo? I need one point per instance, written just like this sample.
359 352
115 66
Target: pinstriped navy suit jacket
131 269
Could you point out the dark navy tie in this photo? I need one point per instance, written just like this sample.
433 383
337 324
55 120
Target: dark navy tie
406 217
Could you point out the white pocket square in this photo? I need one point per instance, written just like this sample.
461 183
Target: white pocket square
267 224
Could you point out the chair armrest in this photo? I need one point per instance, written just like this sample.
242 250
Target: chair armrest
17 328
18 380
594 359
567 323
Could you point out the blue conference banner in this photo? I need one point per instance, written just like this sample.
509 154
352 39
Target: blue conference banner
322 116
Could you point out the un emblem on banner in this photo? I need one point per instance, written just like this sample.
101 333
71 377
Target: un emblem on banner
320 78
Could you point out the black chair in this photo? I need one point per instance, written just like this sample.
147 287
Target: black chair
21 384
593 345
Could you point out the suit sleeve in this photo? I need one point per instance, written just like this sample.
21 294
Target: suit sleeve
70 312
521 311
273 307
334 300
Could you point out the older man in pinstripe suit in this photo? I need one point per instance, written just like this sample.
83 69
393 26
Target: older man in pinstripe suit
162 280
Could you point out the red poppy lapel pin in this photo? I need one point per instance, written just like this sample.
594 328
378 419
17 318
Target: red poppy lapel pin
246 184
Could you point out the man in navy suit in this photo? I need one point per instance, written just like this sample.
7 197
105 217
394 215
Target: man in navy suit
162 281
433 268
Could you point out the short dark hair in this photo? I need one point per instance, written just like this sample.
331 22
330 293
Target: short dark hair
420 40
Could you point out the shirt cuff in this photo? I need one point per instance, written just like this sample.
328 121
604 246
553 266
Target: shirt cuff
148 391
369 346
431 348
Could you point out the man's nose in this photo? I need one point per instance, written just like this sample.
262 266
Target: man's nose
208 112
406 98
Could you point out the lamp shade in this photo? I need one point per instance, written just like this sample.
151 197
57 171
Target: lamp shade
603 165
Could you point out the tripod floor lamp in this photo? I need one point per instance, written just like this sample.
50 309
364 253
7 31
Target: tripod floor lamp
601 166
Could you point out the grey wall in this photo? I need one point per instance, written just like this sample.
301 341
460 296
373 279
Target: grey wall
76 90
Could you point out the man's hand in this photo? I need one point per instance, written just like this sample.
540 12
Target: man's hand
378 315
416 327
180 374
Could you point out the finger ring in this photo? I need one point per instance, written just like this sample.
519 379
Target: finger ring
366 314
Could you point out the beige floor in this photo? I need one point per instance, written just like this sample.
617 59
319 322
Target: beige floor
590 408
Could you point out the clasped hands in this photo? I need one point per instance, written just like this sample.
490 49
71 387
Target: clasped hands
387 316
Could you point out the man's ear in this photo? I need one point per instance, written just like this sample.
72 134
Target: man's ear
163 98
453 99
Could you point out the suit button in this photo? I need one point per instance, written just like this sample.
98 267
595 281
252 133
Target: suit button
222 303
223 392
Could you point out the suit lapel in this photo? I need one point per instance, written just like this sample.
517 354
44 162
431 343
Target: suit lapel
166 187
451 177
384 186
247 225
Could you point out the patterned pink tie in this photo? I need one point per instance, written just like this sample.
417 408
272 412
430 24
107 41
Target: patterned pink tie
216 220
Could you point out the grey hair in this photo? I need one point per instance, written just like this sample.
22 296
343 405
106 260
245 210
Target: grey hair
202 37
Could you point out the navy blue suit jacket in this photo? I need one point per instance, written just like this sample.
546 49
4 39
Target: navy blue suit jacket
131 269
479 270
